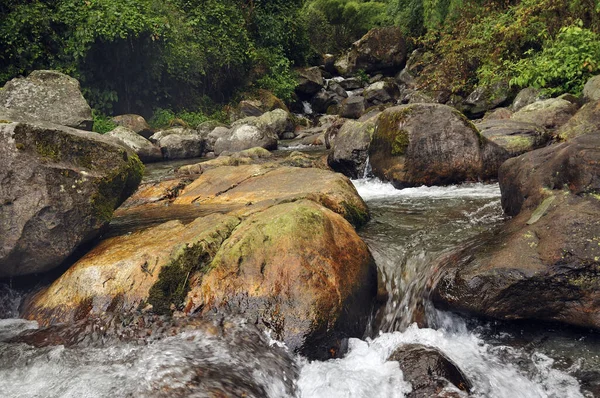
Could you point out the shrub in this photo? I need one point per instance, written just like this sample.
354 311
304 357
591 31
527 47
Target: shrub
102 123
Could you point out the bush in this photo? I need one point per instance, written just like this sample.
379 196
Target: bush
274 73
102 123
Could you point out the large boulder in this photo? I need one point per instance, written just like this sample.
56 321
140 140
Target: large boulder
544 263
181 146
350 149
551 113
245 136
134 122
591 90
430 144
516 137
585 121
59 189
381 92
46 95
381 49
353 107
276 122
280 256
429 371
310 81
146 150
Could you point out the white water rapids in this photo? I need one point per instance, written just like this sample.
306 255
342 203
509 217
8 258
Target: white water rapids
416 216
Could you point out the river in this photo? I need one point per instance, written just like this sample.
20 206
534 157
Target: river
410 232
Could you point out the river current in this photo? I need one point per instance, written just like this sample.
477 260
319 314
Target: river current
410 233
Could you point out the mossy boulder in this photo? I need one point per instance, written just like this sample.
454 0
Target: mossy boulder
46 96
350 147
585 121
430 144
544 263
297 268
514 136
59 189
550 113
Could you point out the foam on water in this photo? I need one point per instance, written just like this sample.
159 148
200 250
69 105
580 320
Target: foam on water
373 188
364 372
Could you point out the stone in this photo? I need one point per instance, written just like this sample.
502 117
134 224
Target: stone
337 88
429 371
526 97
484 98
171 131
275 122
585 121
380 50
351 83
381 92
353 107
136 123
498 114
430 144
591 90
146 150
182 146
551 113
516 137
46 95
59 189
310 81
245 137
350 149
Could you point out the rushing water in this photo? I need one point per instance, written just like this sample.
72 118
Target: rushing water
410 232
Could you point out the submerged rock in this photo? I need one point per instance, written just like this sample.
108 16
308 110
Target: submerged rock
544 263
59 189
429 371
46 95
430 144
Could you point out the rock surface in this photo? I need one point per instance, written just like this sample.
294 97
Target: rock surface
350 149
59 189
516 137
585 121
243 137
146 150
591 90
181 146
46 95
136 123
484 98
551 113
353 107
550 250
430 144
310 81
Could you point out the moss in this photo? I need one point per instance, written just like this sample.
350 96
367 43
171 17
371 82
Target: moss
518 143
2 121
355 215
390 136
20 146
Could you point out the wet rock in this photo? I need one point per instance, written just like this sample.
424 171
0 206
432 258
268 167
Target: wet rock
310 81
525 97
353 107
551 113
429 371
381 49
484 98
591 90
516 137
46 95
146 151
180 146
134 122
59 189
244 137
544 263
585 121
350 149
429 144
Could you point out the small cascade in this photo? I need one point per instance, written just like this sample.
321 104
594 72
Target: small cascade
307 108
368 170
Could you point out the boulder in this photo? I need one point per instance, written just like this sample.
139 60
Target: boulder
381 49
323 100
353 107
275 122
59 189
245 137
484 98
310 81
46 95
591 90
526 97
181 146
430 144
498 114
337 88
352 83
136 123
381 92
544 263
171 131
146 150
585 121
516 137
214 135
350 149
280 256
249 108
551 113
429 371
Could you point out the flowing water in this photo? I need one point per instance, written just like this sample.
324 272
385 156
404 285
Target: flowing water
410 233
